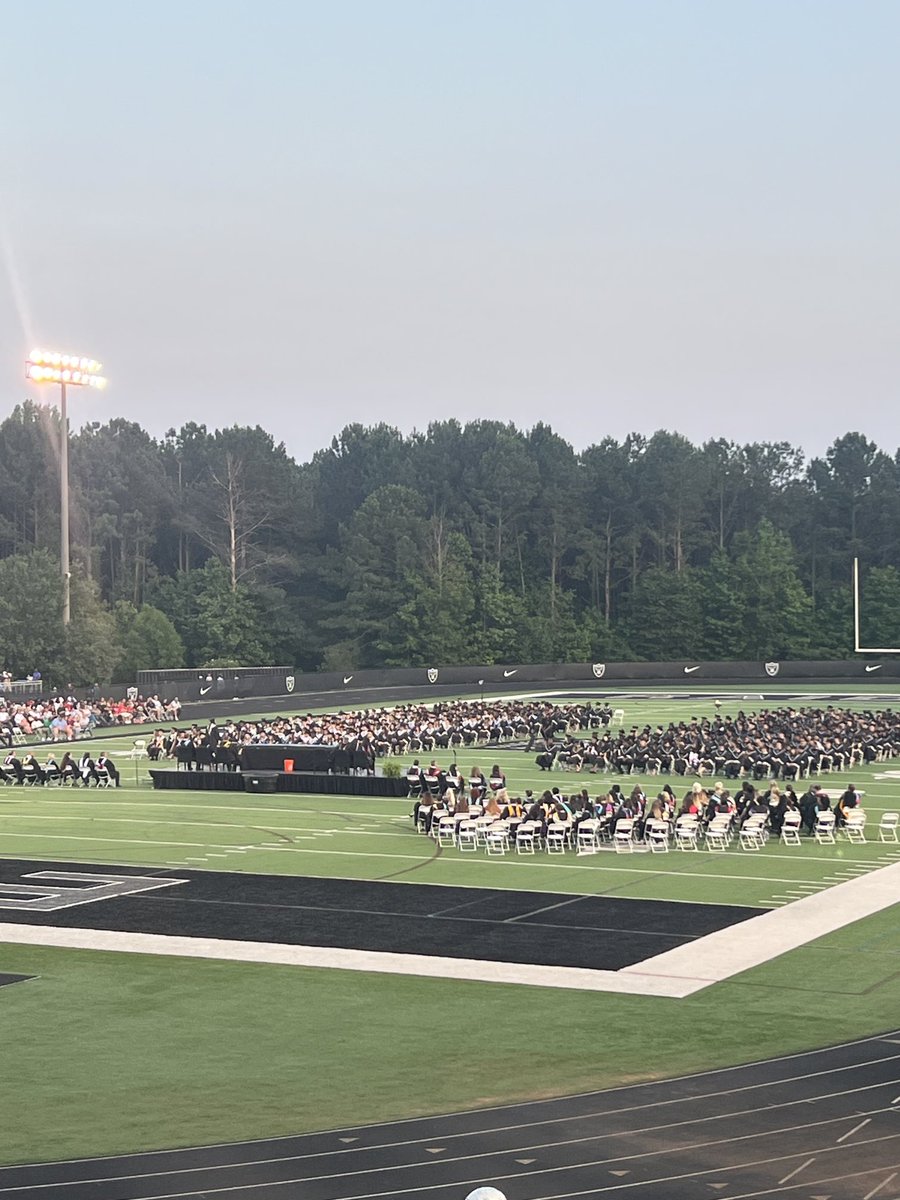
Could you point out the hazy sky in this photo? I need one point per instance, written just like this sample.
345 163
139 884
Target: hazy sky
610 215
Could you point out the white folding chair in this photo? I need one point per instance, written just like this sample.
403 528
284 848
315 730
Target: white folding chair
557 836
482 825
497 838
525 835
466 837
790 829
718 833
656 835
618 717
445 834
824 828
686 831
586 841
753 832
424 814
139 749
623 837
855 826
887 828
104 779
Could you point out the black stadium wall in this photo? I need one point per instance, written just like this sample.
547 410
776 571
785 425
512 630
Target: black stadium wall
247 682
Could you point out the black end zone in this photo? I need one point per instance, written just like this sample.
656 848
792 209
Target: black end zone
6 980
499 925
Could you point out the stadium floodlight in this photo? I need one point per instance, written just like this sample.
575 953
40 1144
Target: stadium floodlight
68 370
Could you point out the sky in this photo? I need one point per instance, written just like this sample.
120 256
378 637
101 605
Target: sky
608 215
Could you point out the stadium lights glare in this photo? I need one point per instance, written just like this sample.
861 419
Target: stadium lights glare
46 366
68 370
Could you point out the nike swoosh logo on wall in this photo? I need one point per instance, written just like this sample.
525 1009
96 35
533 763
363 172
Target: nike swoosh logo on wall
690 670
347 678
506 674
203 691
870 667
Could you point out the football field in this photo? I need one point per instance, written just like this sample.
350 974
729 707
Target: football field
166 1049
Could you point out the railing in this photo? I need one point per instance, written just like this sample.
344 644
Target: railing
22 687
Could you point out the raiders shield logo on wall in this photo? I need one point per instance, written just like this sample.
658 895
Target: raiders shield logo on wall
772 668
289 683
432 674
599 670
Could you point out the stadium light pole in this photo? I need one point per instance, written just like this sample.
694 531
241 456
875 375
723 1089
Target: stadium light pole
68 370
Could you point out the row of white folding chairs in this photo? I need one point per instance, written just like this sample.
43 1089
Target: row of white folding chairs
498 836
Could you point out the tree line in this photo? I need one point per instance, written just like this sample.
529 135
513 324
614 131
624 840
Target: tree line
474 543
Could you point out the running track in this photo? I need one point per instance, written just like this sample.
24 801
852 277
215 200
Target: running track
818 1126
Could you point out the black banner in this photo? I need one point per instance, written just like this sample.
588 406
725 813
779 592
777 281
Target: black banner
244 683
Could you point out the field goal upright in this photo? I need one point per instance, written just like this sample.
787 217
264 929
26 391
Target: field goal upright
864 649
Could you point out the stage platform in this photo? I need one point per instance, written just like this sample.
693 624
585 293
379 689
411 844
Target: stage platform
318 783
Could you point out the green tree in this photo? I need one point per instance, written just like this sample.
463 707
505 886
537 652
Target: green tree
723 610
381 569
778 612
92 646
29 491
218 625
665 617
879 607
149 641
437 616
31 628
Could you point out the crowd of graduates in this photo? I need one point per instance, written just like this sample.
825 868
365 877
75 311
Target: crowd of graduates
84 771
437 792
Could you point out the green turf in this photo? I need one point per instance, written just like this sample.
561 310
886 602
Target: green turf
365 838
114 1052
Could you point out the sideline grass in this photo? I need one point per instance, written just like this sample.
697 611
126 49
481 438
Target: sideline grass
180 1052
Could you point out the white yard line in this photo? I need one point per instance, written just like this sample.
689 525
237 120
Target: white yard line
728 952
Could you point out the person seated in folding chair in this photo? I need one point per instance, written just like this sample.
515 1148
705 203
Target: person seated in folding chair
414 781
478 785
438 808
87 770
629 810
659 811
758 805
12 769
105 763
431 778
157 746
808 804
777 807
495 804
560 815
33 771
51 769
848 801
453 779
512 810
791 802
712 803
68 769
497 781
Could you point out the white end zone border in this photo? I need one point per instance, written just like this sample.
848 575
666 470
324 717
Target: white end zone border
674 974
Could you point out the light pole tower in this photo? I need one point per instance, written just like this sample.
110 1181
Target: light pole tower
68 370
